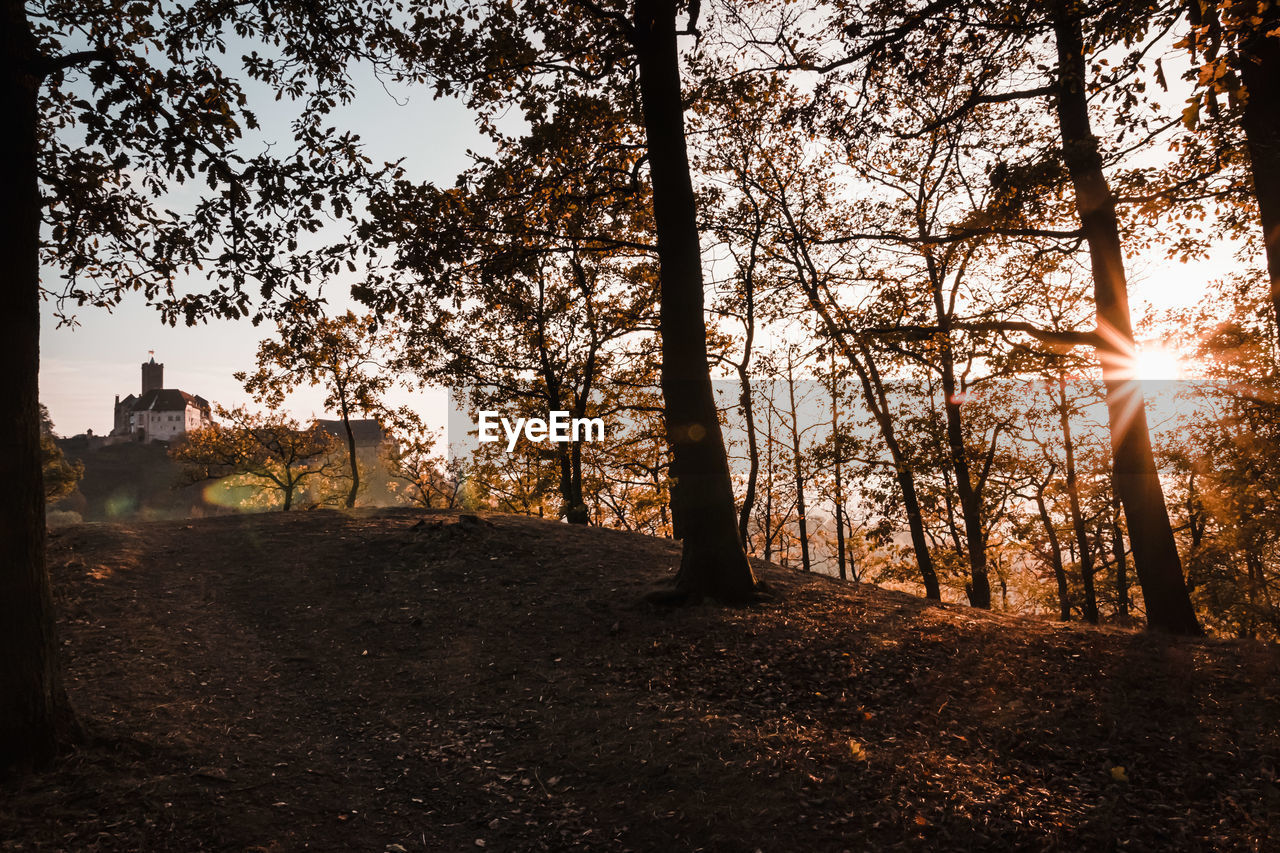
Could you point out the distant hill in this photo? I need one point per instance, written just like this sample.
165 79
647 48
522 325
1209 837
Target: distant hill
132 480
404 680
138 481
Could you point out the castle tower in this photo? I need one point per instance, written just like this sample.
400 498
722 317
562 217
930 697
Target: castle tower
152 376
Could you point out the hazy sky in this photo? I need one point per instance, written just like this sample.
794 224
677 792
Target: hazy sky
82 369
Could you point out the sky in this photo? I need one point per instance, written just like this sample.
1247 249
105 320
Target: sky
85 367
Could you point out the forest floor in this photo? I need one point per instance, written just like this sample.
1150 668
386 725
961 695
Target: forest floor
399 681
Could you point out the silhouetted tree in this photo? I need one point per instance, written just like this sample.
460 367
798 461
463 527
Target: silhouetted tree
273 449
341 354
107 107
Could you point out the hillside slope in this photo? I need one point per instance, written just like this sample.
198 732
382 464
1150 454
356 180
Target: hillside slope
132 481
401 681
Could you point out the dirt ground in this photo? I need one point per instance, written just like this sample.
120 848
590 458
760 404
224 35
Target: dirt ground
400 681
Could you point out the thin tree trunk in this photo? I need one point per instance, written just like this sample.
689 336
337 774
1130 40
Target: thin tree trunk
768 492
745 400
1055 557
1253 565
1122 563
753 460
351 455
979 586
768 539
1073 500
838 483
712 561
1136 480
878 404
664 506
578 512
873 388
569 459
34 714
798 469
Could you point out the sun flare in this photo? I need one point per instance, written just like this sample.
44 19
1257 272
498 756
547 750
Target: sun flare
1154 361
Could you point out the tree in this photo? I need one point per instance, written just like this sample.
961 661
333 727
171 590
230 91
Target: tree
1136 480
832 458
1224 466
272 449
797 459
515 294
1235 51
60 476
107 109
741 303
995 45
535 59
773 512
428 479
1053 548
733 113
773 173
341 354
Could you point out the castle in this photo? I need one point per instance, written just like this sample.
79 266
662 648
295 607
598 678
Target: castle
159 414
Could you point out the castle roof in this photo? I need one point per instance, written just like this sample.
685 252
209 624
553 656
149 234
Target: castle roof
167 400
367 431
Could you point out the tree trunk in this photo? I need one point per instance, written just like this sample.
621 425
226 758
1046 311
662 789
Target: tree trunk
577 512
569 461
770 479
979 586
768 514
864 366
798 469
712 561
1122 564
34 714
664 505
915 523
1136 480
1055 557
1259 68
1253 568
841 565
1073 500
878 402
753 461
351 455
745 400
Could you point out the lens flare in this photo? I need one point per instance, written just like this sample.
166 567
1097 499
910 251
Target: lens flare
1155 361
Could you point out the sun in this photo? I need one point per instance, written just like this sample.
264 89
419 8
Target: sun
1154 361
